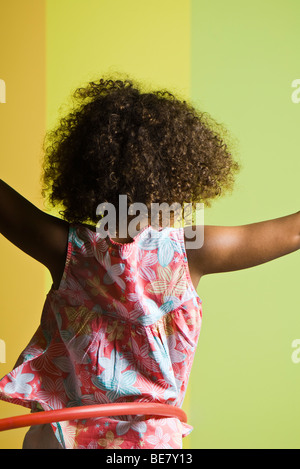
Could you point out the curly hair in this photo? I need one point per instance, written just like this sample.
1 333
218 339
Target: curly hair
150 146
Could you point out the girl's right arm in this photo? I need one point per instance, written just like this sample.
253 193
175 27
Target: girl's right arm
36 233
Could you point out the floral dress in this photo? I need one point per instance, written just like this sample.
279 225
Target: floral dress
122 326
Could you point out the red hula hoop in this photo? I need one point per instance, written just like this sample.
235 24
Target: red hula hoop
92 411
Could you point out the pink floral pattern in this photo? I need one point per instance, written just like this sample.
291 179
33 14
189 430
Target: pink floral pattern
123 326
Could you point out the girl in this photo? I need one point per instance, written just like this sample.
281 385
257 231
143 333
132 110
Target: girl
122 318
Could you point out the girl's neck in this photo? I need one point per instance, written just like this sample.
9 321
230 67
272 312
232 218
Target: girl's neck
141 225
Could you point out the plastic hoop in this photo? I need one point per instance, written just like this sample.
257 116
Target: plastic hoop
92 411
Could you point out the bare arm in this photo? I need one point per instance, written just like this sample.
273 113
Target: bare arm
36 233
229 248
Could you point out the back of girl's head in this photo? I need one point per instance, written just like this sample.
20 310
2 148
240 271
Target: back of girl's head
150 146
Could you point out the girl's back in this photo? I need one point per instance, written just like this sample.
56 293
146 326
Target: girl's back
122 326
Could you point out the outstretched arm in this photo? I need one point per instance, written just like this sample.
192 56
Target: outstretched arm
229 248
38 234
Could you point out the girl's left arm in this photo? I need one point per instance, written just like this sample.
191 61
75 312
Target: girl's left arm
38 234
229 248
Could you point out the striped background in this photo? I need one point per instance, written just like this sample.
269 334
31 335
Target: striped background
237 61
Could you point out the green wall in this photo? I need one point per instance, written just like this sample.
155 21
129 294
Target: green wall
244 385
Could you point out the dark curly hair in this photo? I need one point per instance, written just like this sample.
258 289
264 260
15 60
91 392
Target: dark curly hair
150 146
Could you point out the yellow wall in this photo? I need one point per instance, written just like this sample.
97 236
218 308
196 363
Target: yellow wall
22 125
137 38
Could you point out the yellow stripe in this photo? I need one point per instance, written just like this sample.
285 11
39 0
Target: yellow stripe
148 41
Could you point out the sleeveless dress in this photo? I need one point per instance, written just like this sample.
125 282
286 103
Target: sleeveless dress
122 326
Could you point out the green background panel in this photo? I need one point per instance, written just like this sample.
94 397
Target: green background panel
244 385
